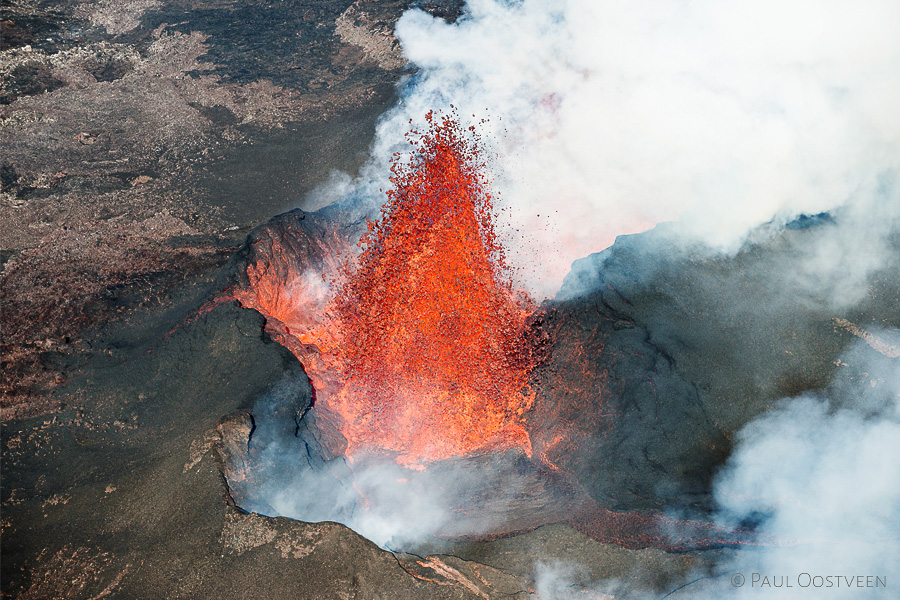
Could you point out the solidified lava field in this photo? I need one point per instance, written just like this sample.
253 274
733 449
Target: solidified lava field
270 326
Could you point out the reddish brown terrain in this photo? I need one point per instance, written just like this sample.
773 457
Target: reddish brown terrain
138 149
162 259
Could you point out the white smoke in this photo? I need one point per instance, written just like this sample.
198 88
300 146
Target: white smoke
609 117
825 474
821 474
287 472
376 500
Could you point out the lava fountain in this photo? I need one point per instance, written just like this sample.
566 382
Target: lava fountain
419 354
431 326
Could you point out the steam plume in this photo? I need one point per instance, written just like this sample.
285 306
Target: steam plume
610 117
821 472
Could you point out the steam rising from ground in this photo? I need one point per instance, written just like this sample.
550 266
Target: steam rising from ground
293 476
289 473
609 117
822 472
828 478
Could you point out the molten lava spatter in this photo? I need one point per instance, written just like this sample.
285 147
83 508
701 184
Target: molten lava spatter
431 331
420 353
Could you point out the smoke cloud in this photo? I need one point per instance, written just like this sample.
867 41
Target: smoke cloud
606 118
822 474
288 472
827 480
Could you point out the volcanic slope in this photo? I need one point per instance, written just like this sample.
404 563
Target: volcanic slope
663 351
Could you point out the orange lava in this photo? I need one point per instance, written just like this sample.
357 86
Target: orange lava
420 353
431 330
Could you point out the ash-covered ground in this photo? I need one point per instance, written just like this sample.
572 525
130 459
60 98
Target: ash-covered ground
144 141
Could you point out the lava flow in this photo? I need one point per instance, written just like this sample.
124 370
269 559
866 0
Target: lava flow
423 356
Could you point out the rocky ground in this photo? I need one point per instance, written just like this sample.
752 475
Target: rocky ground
142 141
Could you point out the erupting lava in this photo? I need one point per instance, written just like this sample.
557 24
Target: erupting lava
431 331
423 357
419 353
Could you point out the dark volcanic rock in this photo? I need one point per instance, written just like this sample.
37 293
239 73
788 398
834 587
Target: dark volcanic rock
234 440
294 243
612 409
91 278
573 561
121 494
659 353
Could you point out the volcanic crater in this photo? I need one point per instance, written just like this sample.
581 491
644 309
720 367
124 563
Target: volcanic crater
427 368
